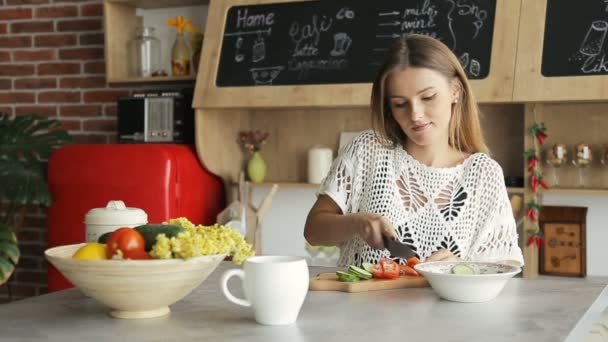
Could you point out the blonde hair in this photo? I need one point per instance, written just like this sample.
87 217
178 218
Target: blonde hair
421 51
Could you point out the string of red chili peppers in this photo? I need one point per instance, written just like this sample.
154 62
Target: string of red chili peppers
539 132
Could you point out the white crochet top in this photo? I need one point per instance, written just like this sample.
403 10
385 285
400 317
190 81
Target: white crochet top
463 208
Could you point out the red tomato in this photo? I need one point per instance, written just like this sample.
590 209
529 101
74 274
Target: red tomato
377 271
390 269
408 270
413 261
129 241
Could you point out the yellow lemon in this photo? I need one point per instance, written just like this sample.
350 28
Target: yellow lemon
91 251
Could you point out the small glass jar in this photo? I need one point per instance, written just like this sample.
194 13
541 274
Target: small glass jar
555 158
582 159
145 53
604 161
582 155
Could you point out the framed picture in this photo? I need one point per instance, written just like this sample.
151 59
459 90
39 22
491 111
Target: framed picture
564 251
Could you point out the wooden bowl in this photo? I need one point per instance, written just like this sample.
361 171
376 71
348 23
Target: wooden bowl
133 288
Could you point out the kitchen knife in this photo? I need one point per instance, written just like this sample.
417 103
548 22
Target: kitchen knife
398 249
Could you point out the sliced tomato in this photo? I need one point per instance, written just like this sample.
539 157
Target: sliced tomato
129 242
390 269
413 261
408 270
377 271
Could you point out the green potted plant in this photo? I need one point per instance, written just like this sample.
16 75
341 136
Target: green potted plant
26 142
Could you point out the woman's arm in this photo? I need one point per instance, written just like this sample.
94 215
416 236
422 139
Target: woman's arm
326 225
497 238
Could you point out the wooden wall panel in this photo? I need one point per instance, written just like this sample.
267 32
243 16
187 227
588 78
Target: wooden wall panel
293 132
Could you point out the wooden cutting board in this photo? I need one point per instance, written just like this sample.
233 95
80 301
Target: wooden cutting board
330 282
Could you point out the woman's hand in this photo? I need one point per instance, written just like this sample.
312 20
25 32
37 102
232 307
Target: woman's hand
371 227
442 255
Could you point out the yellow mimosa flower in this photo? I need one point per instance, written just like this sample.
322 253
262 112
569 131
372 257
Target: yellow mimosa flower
180 24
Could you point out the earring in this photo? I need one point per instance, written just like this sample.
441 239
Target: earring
455 101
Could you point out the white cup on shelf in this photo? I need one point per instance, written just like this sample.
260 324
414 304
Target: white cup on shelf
319 162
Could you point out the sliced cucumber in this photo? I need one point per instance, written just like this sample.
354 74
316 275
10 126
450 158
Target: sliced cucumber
359 272
345 276
462 269
367 266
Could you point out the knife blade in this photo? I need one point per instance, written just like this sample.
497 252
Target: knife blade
398 249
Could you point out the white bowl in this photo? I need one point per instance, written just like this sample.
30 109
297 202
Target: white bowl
483 286
134 288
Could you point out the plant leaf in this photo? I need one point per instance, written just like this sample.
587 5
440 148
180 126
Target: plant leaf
30 136
25 142
6 235
23 183
6 269
9 253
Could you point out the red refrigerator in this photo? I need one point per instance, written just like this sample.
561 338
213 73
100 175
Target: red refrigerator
164 180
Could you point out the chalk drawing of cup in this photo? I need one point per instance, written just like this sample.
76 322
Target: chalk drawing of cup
265 76
259 50
341 44
464 60
594 39
475 68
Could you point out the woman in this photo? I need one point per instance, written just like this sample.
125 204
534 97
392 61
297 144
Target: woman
422 176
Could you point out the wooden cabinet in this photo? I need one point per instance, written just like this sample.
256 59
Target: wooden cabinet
569 43
300 116
121 19
496 87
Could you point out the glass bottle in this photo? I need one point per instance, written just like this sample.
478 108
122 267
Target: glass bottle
145 52
582 159
180 57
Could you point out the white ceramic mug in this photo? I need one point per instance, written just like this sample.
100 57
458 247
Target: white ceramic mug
274 286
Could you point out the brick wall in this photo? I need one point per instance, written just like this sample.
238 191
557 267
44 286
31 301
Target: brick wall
52 63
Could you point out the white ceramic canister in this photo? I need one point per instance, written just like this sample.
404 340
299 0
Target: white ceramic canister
319 163
115 215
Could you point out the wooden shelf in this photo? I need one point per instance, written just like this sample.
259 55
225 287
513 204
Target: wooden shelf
309 185
575 191
160 79
288 184
513 190
150 4
282 184
121 20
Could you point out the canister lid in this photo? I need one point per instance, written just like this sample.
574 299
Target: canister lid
116 213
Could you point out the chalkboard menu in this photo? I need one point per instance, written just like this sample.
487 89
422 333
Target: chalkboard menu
575 38
345 41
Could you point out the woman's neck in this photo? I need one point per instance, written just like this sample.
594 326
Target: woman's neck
437 155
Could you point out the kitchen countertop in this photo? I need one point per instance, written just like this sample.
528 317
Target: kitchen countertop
542 309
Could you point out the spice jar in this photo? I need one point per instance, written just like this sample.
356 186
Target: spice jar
557 155
604 161
605 155
582 159
582 155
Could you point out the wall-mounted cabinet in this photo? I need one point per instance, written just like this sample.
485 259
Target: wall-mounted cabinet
121 20
271 46
561 52
299 116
